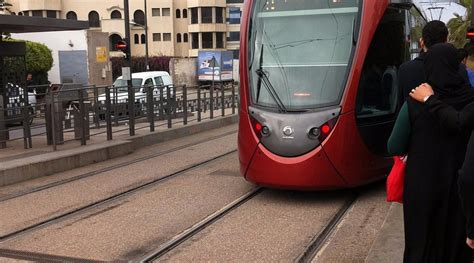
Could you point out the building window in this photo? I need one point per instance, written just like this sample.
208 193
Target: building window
136 39
185 37
94 20
234 36
116 15
166 36
219 16
37 13
178 38
195 40
219 40
143 39
206 15
71 15
155 12
185 13
156 37
51 14
207 40
20 13
234 15
139 17
166 12
178 13
194 15
113 40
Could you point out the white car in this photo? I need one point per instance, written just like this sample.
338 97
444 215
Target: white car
139 81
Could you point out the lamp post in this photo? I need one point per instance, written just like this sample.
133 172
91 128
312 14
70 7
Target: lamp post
131 93
146 38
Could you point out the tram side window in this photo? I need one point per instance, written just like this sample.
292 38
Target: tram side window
378 87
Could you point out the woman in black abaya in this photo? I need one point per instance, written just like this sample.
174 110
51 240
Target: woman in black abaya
434 223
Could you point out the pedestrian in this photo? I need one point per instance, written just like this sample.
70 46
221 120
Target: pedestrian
470 62
469 74
411 73
433 219
457 121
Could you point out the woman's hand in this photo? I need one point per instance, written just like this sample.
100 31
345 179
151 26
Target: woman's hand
470 243
422 92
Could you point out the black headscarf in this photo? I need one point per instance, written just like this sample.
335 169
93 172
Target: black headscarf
442 73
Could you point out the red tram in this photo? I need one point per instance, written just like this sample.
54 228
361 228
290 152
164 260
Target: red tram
319 93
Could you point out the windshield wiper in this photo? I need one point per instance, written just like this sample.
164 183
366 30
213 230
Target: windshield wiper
263 78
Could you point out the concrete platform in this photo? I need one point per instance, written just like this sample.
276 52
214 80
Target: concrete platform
389 244
17 165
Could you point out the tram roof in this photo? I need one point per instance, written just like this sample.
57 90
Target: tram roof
28 24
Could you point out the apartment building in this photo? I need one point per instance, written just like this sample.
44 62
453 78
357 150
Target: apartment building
178 28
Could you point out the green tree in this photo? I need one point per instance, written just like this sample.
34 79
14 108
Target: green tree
459 24
4 7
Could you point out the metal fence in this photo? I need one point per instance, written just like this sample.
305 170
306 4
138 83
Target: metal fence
71 112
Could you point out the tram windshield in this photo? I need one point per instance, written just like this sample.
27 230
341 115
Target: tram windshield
300 52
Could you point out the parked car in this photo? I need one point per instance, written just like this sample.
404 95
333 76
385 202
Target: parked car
141 80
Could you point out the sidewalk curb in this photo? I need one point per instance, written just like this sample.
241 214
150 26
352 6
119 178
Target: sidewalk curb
20 170
389 244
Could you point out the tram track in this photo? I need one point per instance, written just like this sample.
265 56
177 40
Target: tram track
318 241
107 169
198 227
116 197
309 252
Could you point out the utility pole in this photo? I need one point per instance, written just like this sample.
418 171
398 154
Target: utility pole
147 67
131 91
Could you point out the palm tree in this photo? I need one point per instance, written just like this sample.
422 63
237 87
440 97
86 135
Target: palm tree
459 25
4 6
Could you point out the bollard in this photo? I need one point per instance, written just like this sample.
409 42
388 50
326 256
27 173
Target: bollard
82 116
211 103
233 98
53 119
222 100
96 106
168 105
26 121
131 111
162 98
151 109
199 103
108 113
185 105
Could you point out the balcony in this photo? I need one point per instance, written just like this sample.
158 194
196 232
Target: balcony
194 28
200 3
26 5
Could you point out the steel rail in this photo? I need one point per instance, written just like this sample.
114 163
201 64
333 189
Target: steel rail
105 201
107 169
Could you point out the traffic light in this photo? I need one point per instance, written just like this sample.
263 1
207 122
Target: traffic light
123 46
470 34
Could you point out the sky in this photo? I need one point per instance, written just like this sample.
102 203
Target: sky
440 9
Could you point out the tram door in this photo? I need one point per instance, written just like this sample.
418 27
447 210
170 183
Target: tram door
378 98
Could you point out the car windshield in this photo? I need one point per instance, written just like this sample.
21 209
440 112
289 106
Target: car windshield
121 84
300 52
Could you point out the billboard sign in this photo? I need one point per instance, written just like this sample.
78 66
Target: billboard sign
215 65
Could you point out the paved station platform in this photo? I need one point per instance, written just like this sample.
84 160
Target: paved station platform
18 164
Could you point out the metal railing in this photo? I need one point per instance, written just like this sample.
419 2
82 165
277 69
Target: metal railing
76 113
